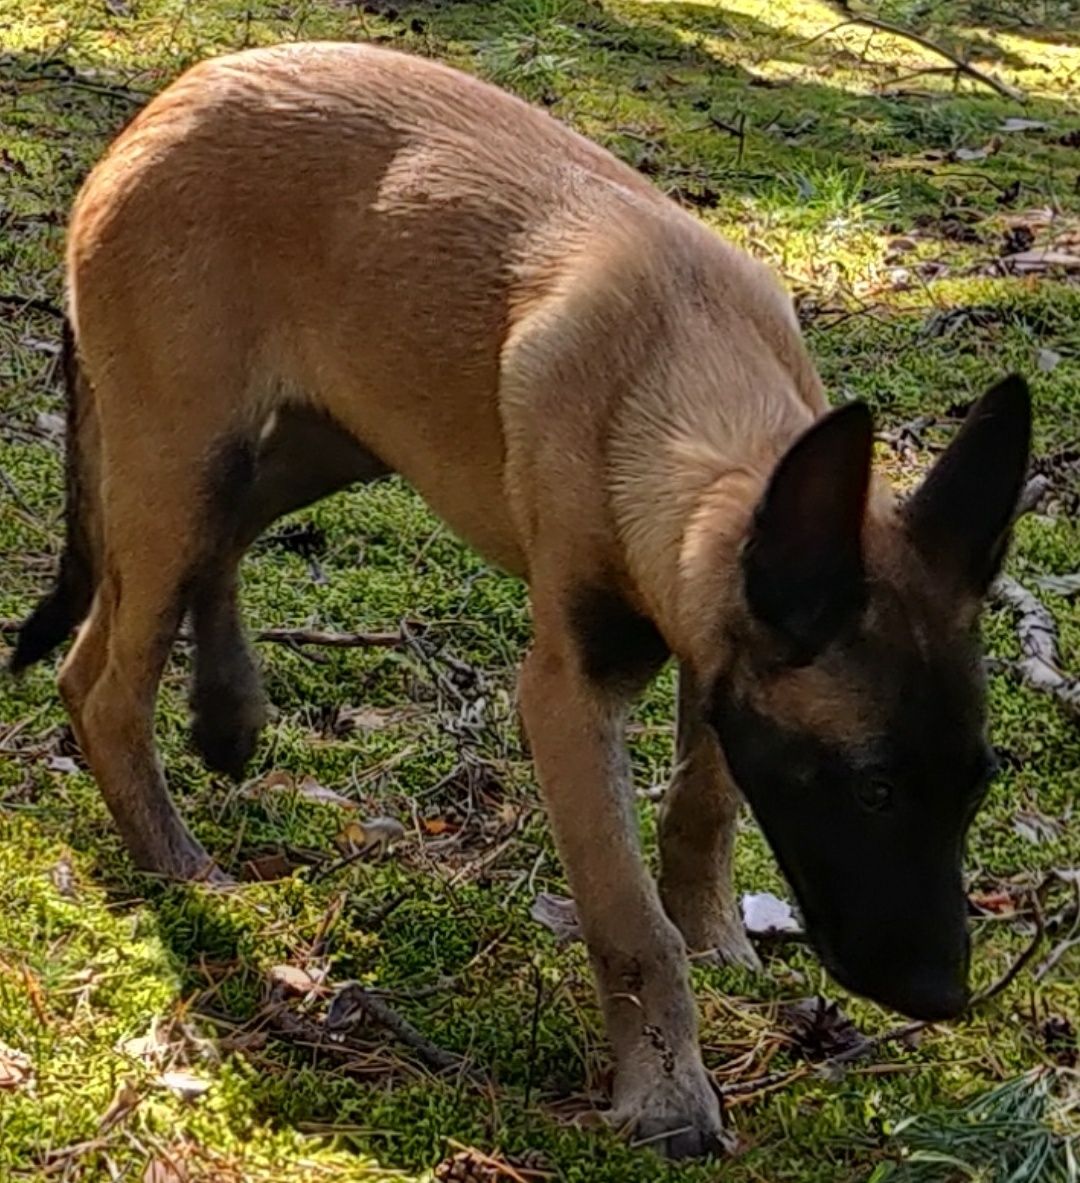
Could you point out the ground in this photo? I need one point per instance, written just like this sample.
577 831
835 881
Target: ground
141 1032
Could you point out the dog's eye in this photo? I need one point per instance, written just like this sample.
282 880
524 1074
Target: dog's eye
876 795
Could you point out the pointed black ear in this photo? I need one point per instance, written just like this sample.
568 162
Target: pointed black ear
802 562
959 518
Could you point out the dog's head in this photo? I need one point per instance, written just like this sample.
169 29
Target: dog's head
852 710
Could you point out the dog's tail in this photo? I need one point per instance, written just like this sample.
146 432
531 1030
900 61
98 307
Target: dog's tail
66 605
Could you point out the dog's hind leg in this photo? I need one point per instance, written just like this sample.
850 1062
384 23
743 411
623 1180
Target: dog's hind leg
151 518
303 457
697 839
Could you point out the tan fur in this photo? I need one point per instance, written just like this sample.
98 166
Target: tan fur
585 383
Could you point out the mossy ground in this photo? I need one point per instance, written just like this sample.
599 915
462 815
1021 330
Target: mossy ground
830 153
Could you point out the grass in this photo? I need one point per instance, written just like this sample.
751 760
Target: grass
819 152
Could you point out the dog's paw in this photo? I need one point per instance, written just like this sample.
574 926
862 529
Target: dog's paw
713 931
678 1117
728 945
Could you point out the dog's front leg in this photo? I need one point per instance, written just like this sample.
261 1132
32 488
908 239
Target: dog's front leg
697 840
662 1092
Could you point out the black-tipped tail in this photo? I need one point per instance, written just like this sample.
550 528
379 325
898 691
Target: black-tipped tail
65 606
52 621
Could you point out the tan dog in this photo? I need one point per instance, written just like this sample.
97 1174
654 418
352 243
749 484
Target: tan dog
307 266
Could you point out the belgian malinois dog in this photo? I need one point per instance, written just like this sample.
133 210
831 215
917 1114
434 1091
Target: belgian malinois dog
311 265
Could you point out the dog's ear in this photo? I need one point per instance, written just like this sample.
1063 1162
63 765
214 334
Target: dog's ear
803 562
960 516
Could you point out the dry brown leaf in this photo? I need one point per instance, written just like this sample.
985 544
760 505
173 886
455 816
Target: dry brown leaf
998 902
165 1170
16 1070
276 780
124 1101
266 867
435 825
374 834
310 788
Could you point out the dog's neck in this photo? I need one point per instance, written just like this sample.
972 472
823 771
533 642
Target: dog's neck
683 510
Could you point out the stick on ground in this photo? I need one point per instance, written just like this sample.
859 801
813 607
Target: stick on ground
354 1004
1037 632
958 63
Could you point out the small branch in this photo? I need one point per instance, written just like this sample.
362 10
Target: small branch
354 1004
312 636
1014 970
746 1089
1037 632
16 496
958 63
30 304
872 1043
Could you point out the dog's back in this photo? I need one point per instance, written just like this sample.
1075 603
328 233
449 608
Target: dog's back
394 242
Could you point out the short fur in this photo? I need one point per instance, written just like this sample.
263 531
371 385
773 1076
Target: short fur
306 266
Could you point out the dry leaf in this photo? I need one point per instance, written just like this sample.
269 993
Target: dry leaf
186 1085
125 1099
16 1069
63 878
310 788
1000 903
63 764
375 834
266 867
151 1048
50 425
1047 360
765 913
559 914
294 980
1037 827
165 1170
276 780
368 718
435 825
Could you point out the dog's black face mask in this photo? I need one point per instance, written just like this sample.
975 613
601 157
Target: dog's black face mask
852 715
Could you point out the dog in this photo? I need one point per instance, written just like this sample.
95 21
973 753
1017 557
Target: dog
311 265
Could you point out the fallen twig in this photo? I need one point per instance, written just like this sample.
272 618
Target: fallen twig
1037 632
1014 970
30 304
353 1004
314 636
284 1021
958 63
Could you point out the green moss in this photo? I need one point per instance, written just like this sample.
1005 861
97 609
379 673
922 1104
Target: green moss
787 141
